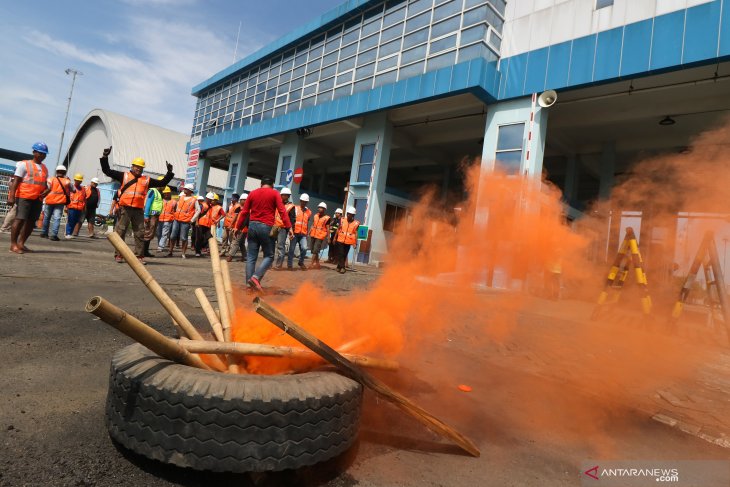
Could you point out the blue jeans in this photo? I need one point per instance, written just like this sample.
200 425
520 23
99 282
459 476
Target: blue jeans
73 218
301 241
163 232
281 239
258 238
52 218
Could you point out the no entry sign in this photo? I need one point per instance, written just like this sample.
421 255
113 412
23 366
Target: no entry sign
298 175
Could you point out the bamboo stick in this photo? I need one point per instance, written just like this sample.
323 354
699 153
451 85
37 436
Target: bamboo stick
142 333
353 371
261 350
215 323
186 327
228 287
346 347
220 292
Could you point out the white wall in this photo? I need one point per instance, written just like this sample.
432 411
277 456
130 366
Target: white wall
533 24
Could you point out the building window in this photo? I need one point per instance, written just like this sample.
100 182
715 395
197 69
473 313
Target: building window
603 3
360 204
509 148
365 167
394 214
232 171
285 165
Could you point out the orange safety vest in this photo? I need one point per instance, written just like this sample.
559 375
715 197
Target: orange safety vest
277 217
78 199
135 193
319 227
348 231
231 215
212 216
34 182
185 209
168 211
301 220
57 196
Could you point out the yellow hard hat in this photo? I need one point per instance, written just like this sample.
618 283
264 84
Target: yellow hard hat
216 198
78 177
167 190
159 178
138 161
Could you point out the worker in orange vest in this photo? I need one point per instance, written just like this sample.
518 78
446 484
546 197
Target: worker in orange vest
76 207
93 198
186 209
210 215
238 243
56 200
233 208
27 190
300 225
279 236
167 216
346 238
132 194
319 233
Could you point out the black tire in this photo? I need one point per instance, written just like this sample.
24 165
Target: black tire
228 423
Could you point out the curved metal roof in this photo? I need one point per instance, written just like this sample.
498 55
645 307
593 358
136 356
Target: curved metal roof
132 138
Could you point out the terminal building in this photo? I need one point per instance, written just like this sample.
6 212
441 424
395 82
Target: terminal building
375 99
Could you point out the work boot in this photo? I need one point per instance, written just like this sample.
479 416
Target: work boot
43 235
118 259
54 238
141 260
303 267
146 252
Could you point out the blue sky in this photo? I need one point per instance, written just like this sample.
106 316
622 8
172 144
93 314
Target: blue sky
140 58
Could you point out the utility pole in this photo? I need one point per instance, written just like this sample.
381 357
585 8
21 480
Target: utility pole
73 73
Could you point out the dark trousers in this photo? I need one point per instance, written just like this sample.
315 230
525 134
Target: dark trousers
342 251
201 238
135 216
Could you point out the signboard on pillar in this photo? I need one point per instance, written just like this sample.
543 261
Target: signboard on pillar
298 175
193 157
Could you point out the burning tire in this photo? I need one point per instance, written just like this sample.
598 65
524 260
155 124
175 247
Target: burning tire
233 423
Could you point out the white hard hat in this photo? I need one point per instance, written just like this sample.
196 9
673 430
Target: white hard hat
189 187
210 196
95 180
285 191
338 210
322 205
200 197
61 168
351 210
304 197
244 196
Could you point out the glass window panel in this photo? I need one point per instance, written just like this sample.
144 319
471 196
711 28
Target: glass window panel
285 166
443 44
332 45
391 33
324 96
477 15
238 114
269 104
287 65
387 63
495 41
509 162
326 84
362 85
309 90
365 165
334 32
328 71
472 52
442 61
278 111
300 59
258 107
365 71
282 100
366 57
411 70
389 48
418 21
344 78
393 18
419 6
314 66
274 71
350 37
298 72
348 51
318 41
510 137
474 34
329 59
271 93
249 101
255 118
292 107
285 77
308 102
393 5
311 78
373 13
371 28
346 64
386 78
247 110
445 27
494 20
283 88
272 82
297 83
315 52
353 24
342 91
415 38
446 10
368 42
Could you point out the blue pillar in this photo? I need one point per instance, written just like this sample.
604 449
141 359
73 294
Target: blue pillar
291 156
237 171
201 179
369 172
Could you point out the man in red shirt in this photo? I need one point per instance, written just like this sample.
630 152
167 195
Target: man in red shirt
261 206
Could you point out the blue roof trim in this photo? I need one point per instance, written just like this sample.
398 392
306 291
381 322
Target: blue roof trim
322 23
467 77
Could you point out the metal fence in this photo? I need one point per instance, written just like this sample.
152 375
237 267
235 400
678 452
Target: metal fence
5 177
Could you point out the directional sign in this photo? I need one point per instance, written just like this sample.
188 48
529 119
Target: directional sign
362 232
289 175
298 175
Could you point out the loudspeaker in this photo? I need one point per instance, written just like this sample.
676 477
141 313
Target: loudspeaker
547 98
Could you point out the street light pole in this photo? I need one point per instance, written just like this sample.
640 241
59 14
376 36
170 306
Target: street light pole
73 73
